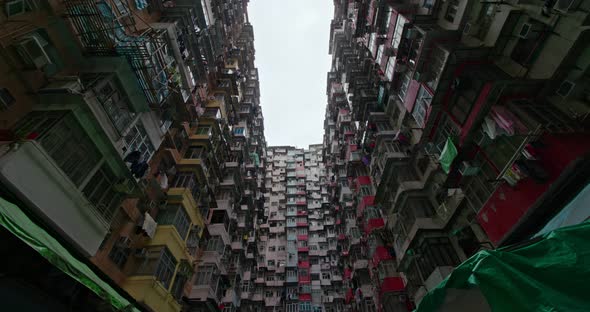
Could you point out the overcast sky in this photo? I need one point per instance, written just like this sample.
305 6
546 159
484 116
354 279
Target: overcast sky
291 41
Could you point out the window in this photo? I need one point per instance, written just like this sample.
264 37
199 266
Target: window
137 139
99 191
380 54
204 275
194 152
292 307
31 49
399 29
435 251
304 306
203 130
245 286
372 40
270 263
270 278
281 248
115 103
421 106
120 252
365 190
6 99
215 243
389 70
239 130
326 276
189 181
160 263
184 272
66 142
271 248
268 294
305 288
15 7
404 87
176 216
451 12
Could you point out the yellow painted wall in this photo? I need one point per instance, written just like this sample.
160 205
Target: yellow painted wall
151 292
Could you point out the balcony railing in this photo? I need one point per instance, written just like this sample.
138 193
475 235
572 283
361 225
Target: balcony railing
101 33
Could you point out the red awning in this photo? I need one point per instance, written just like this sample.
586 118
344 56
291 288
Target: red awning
364 203
381 254
364 180
303 264
347 273
374 224
305 297
349 296
392 284
301 237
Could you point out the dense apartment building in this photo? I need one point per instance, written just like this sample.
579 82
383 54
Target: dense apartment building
451 126
132 154
135 175
298 264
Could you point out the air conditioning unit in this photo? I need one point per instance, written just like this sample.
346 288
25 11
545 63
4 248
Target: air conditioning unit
563 5
140 252
525 29
410 34
565 88
6 99
468 169
32 50
70 85
13 8
471 29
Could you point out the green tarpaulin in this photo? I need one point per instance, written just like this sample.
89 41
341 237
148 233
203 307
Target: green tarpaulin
549 274
15 221
447 155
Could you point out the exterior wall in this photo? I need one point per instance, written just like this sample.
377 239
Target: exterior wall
32 173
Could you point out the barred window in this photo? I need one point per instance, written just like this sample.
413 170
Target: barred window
176 216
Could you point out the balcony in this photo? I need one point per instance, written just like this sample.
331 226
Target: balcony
388 153
101 32
408 224
36 171
219 225
152 274
195 161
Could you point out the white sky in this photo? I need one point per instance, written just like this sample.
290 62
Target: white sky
291 40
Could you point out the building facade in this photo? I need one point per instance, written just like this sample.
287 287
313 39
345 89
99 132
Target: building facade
132 132
135 175
449 128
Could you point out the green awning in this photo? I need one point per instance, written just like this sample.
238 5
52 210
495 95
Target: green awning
549 274
15 221
447 155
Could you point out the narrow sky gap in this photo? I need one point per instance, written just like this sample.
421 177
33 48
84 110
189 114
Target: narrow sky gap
291 41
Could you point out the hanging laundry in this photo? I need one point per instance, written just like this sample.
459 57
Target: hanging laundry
141 4
132 157
139 169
